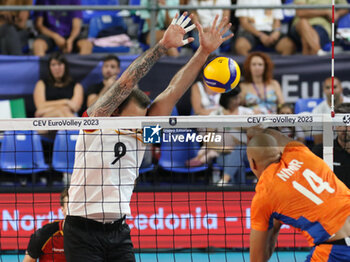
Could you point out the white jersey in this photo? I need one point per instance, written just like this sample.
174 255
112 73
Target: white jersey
208 101
106 165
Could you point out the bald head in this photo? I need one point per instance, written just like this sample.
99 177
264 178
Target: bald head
262 150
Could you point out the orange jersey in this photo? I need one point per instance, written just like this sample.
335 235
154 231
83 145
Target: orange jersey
301 191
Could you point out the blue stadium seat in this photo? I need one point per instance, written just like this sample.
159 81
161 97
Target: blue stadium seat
22 153
145 169
88 14
134 2
175 112
138 20
288 14
99 23
64 151
344 25
306 104
174 155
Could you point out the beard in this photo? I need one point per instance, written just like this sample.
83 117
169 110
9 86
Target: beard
345 138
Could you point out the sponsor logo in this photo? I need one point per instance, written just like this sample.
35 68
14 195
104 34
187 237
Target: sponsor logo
155 134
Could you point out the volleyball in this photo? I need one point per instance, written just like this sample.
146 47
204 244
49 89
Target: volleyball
222 74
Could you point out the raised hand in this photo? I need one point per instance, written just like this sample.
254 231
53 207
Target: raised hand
211 39
174 35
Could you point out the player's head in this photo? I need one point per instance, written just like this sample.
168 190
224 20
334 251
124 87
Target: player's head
58 69
64 201
135 104
343 131
285 109
111 66
231 100
327 90
258 64
262 151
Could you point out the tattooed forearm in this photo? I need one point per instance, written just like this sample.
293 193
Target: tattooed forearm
141 66
122 88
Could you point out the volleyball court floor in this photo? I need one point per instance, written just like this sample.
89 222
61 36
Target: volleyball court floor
281 256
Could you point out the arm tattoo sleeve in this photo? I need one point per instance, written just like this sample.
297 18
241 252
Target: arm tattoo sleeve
121 89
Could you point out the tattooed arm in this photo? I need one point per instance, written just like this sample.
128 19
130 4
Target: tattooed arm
209 41
120 90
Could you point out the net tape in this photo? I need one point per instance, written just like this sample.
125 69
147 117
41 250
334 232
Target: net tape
174 122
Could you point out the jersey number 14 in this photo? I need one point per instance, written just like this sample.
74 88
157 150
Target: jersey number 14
313 180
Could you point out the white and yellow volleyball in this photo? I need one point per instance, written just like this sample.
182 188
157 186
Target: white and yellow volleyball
222 74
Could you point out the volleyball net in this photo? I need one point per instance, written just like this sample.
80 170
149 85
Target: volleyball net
194 187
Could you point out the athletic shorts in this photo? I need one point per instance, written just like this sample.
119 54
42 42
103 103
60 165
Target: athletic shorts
322 33
329 253
52 45
255 41
91 241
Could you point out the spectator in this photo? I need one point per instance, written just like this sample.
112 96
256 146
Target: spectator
205 16
259 91
293 132
203 99
325 106
261 27
164 18
341 148
46 244
61 29
110 72
13 33
58 95
231 153
311 28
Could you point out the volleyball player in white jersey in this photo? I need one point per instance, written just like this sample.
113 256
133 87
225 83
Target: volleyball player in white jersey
106 166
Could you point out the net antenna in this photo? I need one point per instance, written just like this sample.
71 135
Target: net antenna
332 70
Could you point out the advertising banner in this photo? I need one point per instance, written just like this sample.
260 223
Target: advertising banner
159 220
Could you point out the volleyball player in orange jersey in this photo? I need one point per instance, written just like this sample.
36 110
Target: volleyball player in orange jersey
297 188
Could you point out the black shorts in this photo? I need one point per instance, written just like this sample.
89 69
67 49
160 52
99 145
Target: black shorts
51 45
255 41
322 33
89 240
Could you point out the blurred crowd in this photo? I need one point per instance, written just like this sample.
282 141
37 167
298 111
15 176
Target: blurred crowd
284 31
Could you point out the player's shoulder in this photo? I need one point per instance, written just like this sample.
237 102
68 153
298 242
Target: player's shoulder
265 184
49 229
40 236
295 146
263 193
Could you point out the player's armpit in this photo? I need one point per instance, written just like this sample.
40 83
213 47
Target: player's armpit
28 258
260 245
272 236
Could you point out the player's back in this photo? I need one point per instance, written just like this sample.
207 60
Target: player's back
303 192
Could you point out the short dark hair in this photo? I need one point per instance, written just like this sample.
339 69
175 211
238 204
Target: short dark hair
66 79
289 105
63 195
111 57
343 108
139 97
226 97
